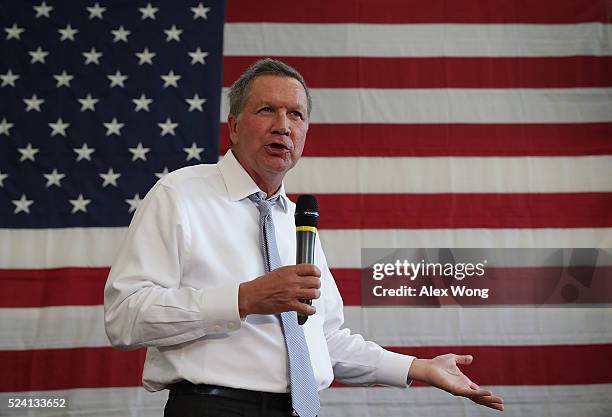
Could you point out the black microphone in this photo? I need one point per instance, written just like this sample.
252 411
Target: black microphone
306 220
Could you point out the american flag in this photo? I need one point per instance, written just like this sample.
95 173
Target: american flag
473 123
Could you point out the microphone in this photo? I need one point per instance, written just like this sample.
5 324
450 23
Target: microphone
306 220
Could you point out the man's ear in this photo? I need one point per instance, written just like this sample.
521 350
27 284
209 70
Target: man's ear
232 123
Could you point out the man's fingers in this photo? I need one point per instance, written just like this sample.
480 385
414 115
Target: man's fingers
499 407
495 403
310 282
474 393
464 359
309 294
307 270
480 393
489 399
303 308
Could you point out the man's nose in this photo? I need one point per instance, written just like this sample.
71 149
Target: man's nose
281 123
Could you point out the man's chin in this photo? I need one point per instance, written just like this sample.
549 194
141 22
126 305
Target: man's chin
278 165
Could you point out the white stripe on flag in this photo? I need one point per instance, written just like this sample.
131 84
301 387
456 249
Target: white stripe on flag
354 105
451 175
521 401
83 326
56 248
411 40
342 246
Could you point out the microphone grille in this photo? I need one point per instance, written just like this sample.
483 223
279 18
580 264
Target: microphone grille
307 211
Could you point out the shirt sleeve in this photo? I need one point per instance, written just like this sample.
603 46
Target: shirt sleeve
355 360
144 301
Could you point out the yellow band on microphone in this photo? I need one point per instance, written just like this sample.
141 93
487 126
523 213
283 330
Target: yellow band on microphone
306 229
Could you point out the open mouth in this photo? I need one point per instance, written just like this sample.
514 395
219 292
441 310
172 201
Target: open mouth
277 147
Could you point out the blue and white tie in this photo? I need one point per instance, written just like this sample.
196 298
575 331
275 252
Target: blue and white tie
304 393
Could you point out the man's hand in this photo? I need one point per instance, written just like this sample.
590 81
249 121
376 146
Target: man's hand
281 290
442 372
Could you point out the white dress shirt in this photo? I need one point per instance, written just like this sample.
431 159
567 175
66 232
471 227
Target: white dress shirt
174 289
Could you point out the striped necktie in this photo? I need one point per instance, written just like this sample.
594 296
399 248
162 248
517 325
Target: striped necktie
304 393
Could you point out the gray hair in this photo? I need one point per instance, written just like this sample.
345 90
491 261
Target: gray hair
240 89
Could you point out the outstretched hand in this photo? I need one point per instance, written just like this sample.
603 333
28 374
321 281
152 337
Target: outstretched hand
442 372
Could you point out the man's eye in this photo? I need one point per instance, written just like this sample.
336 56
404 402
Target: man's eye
297 114
265 109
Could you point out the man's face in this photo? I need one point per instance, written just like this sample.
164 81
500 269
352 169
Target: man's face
269 134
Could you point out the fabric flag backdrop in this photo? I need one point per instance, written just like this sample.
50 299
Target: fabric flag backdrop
480 123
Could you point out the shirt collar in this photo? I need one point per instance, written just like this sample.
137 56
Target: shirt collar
239 183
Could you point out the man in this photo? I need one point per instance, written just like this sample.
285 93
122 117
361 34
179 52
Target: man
196 280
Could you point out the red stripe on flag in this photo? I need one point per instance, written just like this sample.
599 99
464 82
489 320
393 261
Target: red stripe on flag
441 72
52 287
453 139
418 11
537 285
56 369
348 281
459 210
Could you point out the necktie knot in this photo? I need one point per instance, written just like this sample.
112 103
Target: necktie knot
264 206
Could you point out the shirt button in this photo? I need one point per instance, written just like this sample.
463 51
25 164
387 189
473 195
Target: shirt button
231 325
217 328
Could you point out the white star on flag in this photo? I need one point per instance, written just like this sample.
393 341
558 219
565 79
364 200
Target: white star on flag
84 152
96 11
170 79
193 152
162 174
42 10
33 103
200 11
9 78
133 202
117 79
80 204
88 103
173 34
139 152
142 103
113 127
92 56
38 55
14 32
67 33
28 153
63 79
145 57
22 205
2 178
120 34
167 127
197 56
54 178
59 127
5 127
148 12
195 103
110 178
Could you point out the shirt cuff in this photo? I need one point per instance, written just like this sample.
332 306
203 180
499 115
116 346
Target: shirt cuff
219 309
393 369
